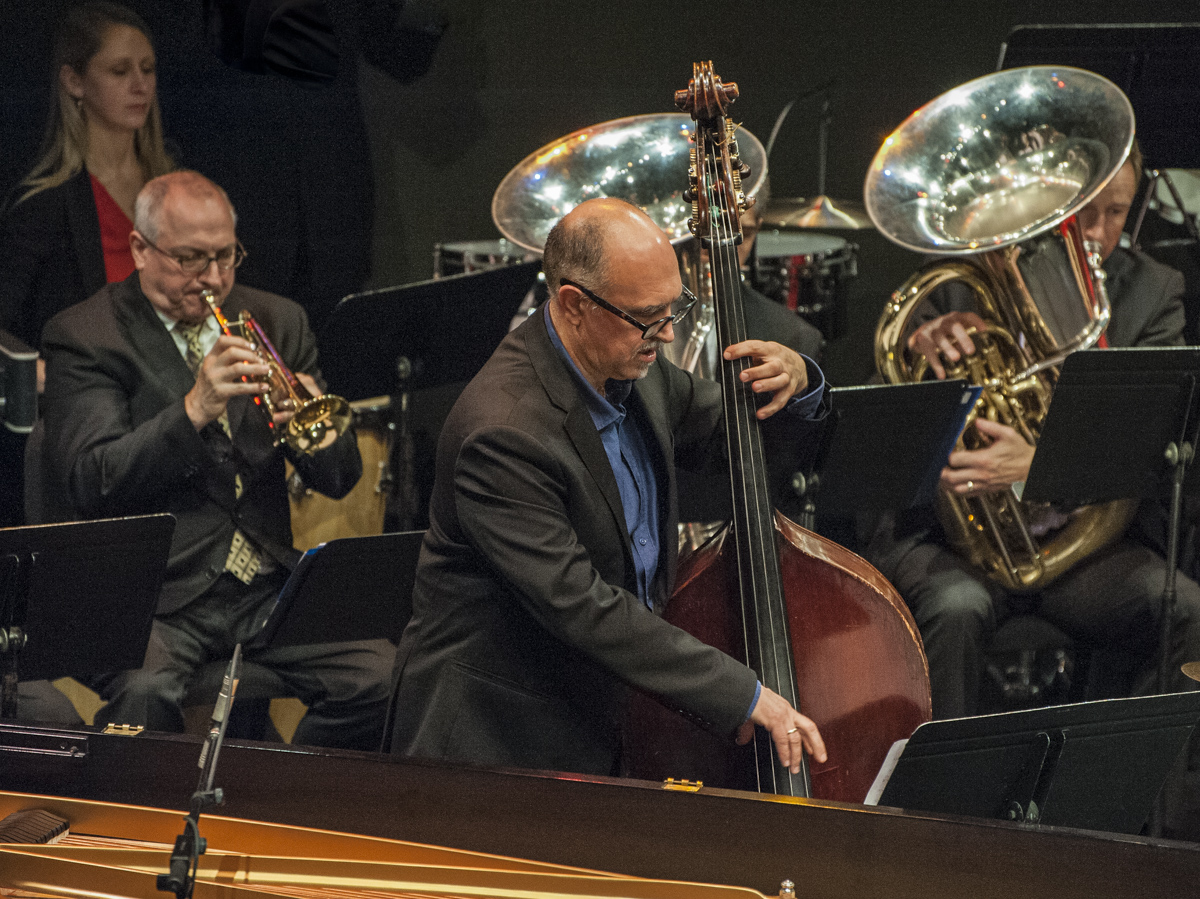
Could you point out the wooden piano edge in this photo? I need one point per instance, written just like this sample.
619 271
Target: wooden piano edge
635 828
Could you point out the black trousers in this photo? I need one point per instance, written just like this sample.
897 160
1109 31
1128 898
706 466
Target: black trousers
1110 602
345 685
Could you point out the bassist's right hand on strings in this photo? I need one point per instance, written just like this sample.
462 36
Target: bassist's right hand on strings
791 732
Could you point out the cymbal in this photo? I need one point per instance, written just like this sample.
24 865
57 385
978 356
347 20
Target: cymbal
1192 670
797 212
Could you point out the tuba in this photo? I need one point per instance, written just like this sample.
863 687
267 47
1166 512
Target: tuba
643 159
317 420
991 174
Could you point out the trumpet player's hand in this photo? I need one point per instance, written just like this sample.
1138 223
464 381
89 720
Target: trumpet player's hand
791 732
1002 462
778 370
946 337
221 378
284 409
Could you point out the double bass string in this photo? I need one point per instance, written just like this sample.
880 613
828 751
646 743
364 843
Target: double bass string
760 584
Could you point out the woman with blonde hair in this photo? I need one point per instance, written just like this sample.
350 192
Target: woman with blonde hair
65 231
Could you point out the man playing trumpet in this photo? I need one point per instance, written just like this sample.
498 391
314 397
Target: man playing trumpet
149 407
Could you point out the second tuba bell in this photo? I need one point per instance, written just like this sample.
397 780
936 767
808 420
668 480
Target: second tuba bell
317 421
992 174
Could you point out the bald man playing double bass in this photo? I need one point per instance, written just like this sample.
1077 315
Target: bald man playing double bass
552 541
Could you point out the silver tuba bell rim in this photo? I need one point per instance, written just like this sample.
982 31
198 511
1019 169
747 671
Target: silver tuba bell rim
643 159
1049 138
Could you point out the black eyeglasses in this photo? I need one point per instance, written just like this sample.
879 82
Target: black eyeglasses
648 331
195 262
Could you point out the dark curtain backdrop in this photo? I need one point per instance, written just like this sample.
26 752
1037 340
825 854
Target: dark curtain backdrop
370 171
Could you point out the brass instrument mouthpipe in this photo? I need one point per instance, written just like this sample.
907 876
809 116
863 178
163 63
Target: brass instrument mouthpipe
316 421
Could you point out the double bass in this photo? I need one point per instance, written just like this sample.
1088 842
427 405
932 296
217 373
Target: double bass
819 625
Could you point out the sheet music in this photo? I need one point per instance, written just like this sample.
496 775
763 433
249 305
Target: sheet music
885 772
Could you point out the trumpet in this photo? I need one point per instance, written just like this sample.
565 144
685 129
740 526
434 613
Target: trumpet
317 420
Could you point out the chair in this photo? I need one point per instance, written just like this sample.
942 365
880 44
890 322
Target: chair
46 503
1031 662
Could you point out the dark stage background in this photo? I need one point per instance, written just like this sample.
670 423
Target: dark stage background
350 184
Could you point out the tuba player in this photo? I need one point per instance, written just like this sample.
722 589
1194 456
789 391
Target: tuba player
1110 600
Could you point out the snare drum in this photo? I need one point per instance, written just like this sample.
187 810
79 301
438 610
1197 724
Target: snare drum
476 256
806 271
316 518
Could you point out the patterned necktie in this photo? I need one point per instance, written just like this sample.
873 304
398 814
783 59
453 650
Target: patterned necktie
195 349
244 558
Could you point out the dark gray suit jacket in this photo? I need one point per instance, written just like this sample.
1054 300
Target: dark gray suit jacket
526 625
118 441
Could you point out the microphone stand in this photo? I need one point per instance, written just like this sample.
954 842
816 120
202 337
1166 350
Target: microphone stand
1179 456
189 845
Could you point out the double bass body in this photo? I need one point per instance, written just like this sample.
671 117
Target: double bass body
857 656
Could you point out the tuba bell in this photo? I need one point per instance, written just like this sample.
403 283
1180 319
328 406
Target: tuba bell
643 159
991 174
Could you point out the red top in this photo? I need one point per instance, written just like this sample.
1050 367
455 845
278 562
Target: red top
114 234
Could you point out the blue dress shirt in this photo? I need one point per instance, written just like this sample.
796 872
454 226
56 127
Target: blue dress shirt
629 457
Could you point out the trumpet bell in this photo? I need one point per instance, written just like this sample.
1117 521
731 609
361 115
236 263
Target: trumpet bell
318 423
979 168
642 159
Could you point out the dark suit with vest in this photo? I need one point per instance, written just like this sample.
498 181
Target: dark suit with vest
119 442
527 628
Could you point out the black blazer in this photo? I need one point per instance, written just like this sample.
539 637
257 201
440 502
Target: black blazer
118 441
50 256
526 625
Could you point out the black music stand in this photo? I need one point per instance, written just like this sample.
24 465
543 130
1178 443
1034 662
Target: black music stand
1156 65
1113 415
79 598
886 446
356 588
419 344
1092 765
1120 420
446 328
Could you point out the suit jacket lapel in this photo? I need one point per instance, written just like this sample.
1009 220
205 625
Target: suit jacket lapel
563 392
84 224
648 406
163 363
